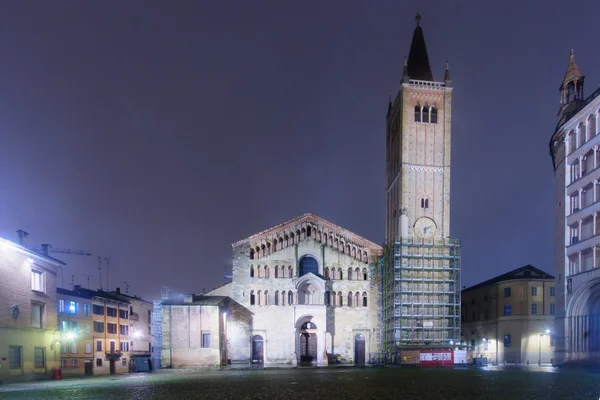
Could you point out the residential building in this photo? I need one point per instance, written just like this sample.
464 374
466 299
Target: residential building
574 148
421 274
29 338
109 334
140 334
75 324
509 319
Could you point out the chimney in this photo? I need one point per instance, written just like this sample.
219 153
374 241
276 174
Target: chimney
22 235
45 249
118 290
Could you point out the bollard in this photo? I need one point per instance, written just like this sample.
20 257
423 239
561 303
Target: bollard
57 374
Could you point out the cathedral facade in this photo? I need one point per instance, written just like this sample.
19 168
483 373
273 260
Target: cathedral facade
309 292
312 289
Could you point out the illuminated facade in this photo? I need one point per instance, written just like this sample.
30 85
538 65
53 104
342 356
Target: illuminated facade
510 319
574 148
29 338
421 274
313 290
103 332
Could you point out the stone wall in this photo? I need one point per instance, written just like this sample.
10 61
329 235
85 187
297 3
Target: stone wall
182 330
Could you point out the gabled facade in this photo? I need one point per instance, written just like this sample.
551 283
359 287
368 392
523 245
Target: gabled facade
312 289
509 319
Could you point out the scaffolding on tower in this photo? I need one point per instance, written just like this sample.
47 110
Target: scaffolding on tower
421 296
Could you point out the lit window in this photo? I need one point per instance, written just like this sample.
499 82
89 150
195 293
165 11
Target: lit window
507 340
88 348
37 281
507 310
86 310
61 306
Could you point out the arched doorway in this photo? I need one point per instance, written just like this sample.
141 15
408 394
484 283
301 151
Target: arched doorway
258 344
359 350
308 343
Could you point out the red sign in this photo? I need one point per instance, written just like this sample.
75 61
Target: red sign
437 358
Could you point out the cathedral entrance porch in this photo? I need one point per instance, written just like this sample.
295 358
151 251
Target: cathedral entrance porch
309 343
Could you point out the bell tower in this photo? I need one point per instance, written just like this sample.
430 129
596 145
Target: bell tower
418 139
571 91
421 271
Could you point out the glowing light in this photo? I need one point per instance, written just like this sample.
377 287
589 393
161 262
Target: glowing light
484 339
30 260
547 331
72 308
71 335
452 343
137 334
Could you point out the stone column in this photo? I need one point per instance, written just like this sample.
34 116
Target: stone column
579 237
579 195
579 262
594 252
594 227
321 347
595 189
595 158
322 266
580 167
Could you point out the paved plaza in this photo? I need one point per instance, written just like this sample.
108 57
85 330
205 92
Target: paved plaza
341 383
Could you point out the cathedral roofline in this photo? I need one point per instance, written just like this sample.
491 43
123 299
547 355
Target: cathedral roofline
319 221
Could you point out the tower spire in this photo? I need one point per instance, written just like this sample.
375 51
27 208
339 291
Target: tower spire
447 79
418 61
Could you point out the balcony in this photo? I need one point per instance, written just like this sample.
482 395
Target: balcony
134 316
113 354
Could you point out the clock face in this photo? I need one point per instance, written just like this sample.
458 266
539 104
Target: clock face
425 228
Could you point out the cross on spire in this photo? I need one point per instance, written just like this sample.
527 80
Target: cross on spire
418 19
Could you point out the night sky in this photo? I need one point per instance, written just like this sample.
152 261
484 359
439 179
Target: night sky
157 133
